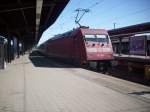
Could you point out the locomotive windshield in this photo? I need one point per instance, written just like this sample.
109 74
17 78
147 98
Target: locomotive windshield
97 38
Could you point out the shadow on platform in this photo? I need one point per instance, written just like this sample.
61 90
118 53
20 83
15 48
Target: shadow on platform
39 60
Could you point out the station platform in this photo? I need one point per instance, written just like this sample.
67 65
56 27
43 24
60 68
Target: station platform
135 58
38 84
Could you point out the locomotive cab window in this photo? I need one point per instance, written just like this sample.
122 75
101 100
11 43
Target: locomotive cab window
97 38
90 38
102 38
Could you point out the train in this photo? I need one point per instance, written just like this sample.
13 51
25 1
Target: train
137 44
80 46
134 54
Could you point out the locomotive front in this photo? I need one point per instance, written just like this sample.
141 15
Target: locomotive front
98 48
98 45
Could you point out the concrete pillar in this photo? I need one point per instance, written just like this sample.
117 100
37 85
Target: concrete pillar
6 55
23 48
9 49
12 49
18 54
2 52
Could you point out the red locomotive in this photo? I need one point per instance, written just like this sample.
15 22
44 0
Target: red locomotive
81 46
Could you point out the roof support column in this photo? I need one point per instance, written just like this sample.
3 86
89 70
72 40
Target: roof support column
120 46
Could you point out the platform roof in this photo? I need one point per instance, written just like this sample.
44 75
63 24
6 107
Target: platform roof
19 17
130 30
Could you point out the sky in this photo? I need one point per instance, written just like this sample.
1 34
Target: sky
103 14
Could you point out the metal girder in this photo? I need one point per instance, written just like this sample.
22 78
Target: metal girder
52 8
26 17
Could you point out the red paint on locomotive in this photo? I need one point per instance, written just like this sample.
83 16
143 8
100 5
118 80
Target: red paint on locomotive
81 45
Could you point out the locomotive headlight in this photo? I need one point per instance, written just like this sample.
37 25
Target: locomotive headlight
91 49
107 49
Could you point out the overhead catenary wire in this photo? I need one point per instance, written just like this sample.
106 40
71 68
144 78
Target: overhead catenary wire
136 12
132 14
78 4
61 25
118 4
81 12
95 4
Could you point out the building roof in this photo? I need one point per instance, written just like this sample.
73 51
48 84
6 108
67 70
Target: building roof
130 30
18 17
